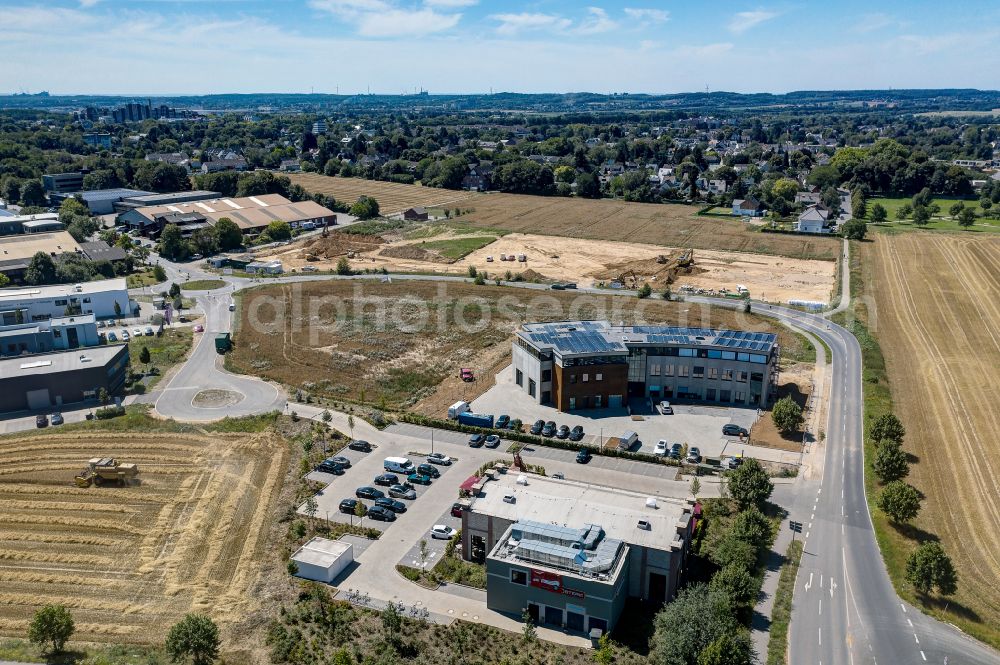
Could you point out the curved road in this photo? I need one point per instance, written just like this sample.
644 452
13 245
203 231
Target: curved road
845 609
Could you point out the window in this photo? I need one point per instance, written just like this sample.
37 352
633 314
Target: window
586 378
725 396
598 377
572 378
743 357
546 375
86 300
518 577
61 303
597 401
740 396
57 333
572 403
754 358
714 354
654 370
686 353
713 372
531 387
683 370
699 372
710 394
668 370
729 355
741 377
727 374
518 377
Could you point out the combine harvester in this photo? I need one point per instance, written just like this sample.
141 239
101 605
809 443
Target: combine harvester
101 470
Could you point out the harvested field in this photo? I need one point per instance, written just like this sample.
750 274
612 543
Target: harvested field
392 197
939 328
130 561
396 344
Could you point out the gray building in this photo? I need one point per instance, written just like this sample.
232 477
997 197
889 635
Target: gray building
98 201
171 198
576 365
570 554
62 183
57 334
63 377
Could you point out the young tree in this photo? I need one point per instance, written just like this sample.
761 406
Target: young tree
51 627
195 637
228 234
528 632
901 502
159 274
359 512
921 215
311 507
956 209
887 427
878 213
344 267
695 487
929 567
392 623
966 218
904 211
890 461
424 554
144 357
749 484
787 415
645 291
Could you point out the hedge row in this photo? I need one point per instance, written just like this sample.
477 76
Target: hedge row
561 444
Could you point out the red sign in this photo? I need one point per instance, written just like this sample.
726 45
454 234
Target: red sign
549 581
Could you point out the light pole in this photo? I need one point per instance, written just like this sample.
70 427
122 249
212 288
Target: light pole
432 441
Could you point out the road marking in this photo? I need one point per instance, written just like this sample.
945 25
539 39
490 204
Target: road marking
820 630
821 607
842 528
922 655
807 535
820 581
810 525
833 587
916 639
909 622
813 516
810 582
904 607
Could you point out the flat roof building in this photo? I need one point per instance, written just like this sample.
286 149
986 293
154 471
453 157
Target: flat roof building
251 213
16 251
40 303
576 365
147 200
570 553
41 222
65 377
60 183
98 201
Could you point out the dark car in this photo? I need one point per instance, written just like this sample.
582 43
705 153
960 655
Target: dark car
569 285
419 479
387 480
349 506
734 430
538 427
562 432
549 429
583 456
361 446
391 504
381 514
41 420
476 440
367 492
502 421
428 470
557 287
342 461
576 433
326 466
456 510
675 451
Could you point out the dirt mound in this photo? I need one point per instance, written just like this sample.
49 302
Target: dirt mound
412 253
646 270
530 275
338 244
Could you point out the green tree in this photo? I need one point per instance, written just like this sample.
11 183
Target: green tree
174 290
878 213
159 274
645 291
734 649
859 206
195 637
161 177
887 427
749 484
528 632
144 356
11 191
359 511
921 215
228 234
4 280
278 230
737 583
588 186
33 194
966 218
956 209
752 526
787 415
41 269
696 618
901 502
904 211
731 550
785 188
172 245
365 208
890 461
344 266
855 229
929 567
51 627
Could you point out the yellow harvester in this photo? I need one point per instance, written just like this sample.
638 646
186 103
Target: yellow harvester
101 470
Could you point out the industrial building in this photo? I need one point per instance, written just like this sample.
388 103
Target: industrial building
63 377
98 201
576 365
106 298
56 334
570 553
147 200
251 213
38 223
16 251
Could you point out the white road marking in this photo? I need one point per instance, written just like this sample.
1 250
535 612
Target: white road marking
820 581
904 607
922 655
813 516
810 582
909 622
820 631
821 607
916 639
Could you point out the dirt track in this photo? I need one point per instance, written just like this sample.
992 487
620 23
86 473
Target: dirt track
130 561
939 328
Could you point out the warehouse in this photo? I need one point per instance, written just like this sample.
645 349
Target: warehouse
16 251
576 365
38 223
252 213
322 559
569 553
65 377
99 201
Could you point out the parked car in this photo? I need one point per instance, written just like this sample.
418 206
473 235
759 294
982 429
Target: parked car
349 506
666 409
326 466
381 514
428 470
502 421
731 462
56 418
361 446
562 432
675 451
112 337
391 504
199 328
419 479
439 458
694 455
538 427
232 307
660 449
137 332
734 430
368 492
476 440
341 460
310 269
569 285
466 374
386 480
456 509
492 441
124 334
576 433
402 492
583 456
442 531
549 429
41 420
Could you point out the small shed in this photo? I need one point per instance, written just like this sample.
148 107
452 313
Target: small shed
415 214
322 559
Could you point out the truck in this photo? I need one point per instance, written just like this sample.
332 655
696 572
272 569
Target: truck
223 342
476 419
627 440
101 470
457 408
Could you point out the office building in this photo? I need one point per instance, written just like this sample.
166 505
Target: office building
106 298
592 364
39 223
319 127
56 334
62 183
98 140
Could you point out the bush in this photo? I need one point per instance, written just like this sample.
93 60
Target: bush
645 291
787 415
51 627
107 412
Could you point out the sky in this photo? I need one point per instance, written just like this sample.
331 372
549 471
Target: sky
172 47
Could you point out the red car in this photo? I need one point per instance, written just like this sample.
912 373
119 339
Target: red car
456 510
467 374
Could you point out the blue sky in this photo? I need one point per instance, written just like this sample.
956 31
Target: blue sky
135 47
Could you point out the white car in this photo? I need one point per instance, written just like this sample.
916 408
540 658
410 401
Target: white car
661 448
442 531
125 335
136 332
694 455
439 458
666 409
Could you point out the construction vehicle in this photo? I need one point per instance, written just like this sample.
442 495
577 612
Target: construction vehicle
628 279
101 470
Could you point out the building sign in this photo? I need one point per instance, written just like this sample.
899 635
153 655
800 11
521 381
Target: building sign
543 579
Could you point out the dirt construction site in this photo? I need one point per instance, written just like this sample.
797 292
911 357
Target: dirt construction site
129 561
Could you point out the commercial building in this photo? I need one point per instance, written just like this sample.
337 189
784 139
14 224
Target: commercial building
63 377
41 303
17 251
591 364
569 553
251 213
322 559
56 334
38 223
98 201
147 200
61 183
100 140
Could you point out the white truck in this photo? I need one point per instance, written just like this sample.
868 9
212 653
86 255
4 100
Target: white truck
627 440
457 408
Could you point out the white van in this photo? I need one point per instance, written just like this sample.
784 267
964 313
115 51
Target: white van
627 440
398 465
457 408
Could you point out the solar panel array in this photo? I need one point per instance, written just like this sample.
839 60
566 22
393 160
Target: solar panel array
576 342
583 337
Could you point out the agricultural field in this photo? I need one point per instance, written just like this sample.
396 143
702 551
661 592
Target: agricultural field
392 197
938 323
130 561
398 344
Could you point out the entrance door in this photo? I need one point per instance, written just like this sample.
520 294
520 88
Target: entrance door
657 588
574 621
615 401
38 399
533 612
553 615
73 338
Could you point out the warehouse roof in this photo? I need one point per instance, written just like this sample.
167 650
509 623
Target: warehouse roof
62 290
25 246
247 212
108 194
63 361
322 551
